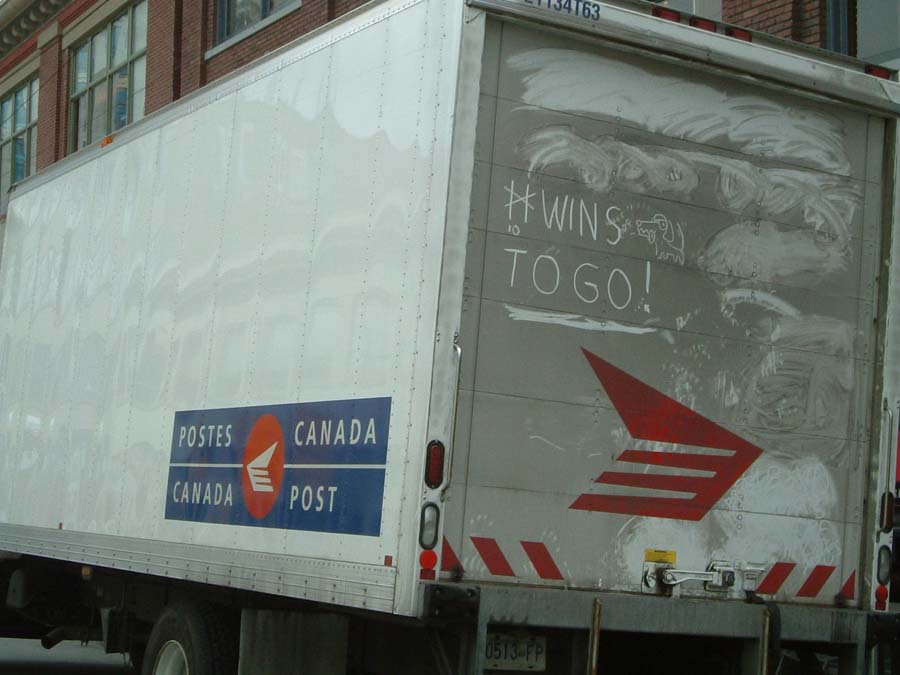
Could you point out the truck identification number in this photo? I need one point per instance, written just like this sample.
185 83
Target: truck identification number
582 8
316 466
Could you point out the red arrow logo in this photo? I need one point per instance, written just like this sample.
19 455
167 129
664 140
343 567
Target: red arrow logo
652 416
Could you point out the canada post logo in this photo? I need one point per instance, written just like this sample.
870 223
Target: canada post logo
650 415
316 466
263 466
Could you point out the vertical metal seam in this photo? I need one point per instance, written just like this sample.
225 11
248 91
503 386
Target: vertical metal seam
474 348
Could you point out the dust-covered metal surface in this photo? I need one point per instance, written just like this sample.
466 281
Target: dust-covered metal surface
667 329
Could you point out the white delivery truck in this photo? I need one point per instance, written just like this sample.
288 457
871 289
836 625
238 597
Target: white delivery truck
548 335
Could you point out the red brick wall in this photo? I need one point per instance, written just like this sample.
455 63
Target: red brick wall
800 20
770 16
52 127
344 6
311 15
810 22
194 16
163 53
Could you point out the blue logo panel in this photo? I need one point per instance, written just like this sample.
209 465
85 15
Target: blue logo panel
302 466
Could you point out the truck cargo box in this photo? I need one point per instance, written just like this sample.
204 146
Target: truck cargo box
522 303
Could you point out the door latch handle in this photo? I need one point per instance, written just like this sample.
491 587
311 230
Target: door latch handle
718 577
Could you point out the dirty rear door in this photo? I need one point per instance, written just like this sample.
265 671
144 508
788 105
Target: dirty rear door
667 343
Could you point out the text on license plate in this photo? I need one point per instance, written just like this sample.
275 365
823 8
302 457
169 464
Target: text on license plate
507 651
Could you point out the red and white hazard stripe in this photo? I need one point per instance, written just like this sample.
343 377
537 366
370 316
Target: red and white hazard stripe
493 557
812 584
497 564
449 560
542 561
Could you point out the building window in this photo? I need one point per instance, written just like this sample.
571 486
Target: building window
109 78
18 136
840 27
234 16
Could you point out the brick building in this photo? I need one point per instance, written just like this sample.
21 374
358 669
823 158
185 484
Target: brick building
830 24
74 71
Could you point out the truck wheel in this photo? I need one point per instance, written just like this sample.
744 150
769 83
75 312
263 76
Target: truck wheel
191 639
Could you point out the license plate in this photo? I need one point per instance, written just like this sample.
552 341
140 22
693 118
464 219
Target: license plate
507 651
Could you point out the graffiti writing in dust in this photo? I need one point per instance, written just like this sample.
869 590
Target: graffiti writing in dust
729 223
591 220
549 275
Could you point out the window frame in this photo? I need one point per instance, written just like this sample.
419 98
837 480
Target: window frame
837 28
223 16
32 87
107 76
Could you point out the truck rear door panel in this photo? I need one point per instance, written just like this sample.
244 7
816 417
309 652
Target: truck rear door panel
667 330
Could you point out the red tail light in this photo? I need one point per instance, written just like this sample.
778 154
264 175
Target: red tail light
667 14
703 24
881 598
428 559
886 516
739 34
434 465
879 71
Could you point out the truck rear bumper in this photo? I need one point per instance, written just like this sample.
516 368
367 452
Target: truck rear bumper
759 627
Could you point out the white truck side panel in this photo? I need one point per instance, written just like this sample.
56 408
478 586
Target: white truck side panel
268 241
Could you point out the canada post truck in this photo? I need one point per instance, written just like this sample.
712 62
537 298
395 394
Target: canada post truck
556 336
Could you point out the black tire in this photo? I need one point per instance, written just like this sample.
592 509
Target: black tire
206 635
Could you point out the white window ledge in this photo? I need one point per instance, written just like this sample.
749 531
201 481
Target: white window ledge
280 13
